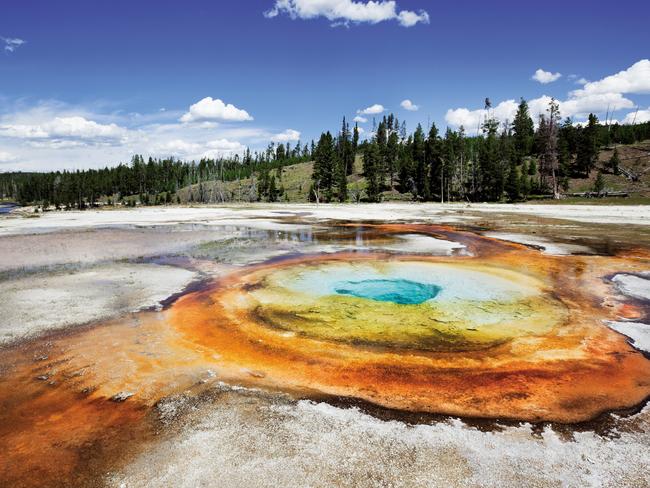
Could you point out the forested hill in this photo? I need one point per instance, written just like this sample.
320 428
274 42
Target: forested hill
505 162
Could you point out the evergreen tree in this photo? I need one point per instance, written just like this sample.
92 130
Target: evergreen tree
272 195
523 131
434 162
587 151
341 180
381 139
492 180
325 163
405 177
392 155
506 150
371 163
599 184
355 139
524 181
533 173
570 134
418 152
614 163
452 155
280 153
564 154
345 148
513 183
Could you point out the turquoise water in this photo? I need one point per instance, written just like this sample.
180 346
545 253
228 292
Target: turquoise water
454 283
403 292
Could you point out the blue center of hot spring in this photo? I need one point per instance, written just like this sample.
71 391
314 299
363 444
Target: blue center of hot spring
403 292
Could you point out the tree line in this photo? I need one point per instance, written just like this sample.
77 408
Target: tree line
155 181
508 160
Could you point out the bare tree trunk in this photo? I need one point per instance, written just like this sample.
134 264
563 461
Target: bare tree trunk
556 192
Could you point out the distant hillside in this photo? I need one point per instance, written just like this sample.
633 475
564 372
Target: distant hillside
635 161
296 180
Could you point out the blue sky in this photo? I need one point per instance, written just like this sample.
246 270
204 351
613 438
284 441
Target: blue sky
87 83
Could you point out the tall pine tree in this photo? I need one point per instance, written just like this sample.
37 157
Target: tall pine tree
418 151
523 132
587 151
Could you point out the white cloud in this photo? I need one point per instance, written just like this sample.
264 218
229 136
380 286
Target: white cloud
225 145
372 110
581 81
585 123
408 18
345 11
637 117
209 109
506 110
288 135
472 119
250 133
73 129
183 149
599 97
23 131
600 102
175 147
50 135
635 79
81 128
11 44
54 135
409 105
463 117
6 157
359 119
545 77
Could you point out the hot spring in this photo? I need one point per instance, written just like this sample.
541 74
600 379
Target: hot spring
502 331
406 304
382 317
